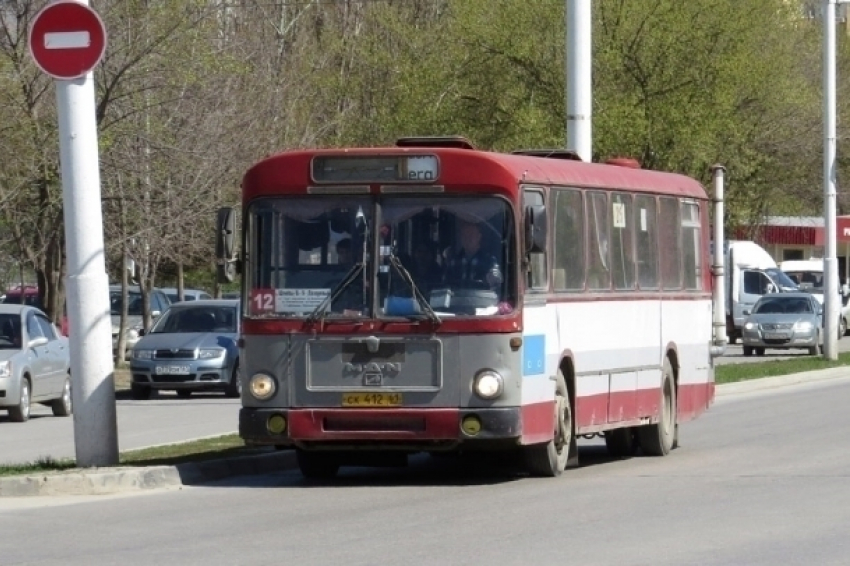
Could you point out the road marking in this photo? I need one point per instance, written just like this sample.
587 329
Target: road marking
67 40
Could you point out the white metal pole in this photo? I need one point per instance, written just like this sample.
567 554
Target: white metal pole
579 74
719 269
830 262
92 370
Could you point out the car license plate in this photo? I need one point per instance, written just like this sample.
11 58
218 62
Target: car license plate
371 399
172 370
775 335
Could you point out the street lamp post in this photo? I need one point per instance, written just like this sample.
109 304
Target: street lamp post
830 262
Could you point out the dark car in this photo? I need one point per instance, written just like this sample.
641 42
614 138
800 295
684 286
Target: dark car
192 347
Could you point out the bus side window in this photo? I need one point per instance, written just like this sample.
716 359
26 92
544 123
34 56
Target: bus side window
598 252
568 228
622 242
647 242
691 240
670 235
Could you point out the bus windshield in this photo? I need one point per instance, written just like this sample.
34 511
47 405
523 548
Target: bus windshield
440 255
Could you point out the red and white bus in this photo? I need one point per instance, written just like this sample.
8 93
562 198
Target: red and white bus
432 297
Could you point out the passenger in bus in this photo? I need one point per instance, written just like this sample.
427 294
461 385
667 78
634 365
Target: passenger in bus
470 266
344 255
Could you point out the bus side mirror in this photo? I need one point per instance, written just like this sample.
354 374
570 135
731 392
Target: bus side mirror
226 264
536 229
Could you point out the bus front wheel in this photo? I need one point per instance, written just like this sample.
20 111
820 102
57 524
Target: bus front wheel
317 465
550 459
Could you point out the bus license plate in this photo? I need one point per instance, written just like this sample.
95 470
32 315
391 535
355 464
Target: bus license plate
371 399
172 370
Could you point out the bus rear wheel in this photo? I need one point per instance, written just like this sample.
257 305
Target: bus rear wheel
317 465
659 438
550 459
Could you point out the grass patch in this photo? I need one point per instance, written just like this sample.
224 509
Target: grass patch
730 373
42 465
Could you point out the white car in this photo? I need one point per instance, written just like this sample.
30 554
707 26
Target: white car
808 275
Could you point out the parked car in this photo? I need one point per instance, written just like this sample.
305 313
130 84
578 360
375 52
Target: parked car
159 302
192 347
188 294
35 363
784 321
28 295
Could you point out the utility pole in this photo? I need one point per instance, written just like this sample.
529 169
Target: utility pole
578 77
831 301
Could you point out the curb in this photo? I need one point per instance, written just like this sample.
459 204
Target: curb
104 481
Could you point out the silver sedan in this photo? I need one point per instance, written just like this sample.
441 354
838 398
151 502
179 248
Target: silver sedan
35 363
784 321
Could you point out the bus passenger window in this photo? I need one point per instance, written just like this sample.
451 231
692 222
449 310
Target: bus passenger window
671 242
622 242
599 261
569 264
647 242
691 245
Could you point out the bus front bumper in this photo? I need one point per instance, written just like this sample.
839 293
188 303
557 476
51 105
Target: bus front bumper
385 428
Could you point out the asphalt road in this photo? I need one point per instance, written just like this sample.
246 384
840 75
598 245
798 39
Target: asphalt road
761 479
165 419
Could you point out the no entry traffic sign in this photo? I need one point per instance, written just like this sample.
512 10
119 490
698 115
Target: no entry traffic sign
67 39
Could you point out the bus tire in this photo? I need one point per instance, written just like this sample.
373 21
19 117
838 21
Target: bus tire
317 465
658 439
550 459
621 442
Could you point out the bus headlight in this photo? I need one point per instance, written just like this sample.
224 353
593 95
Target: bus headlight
488 384
262 386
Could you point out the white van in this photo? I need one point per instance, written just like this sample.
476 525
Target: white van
808 275
750 273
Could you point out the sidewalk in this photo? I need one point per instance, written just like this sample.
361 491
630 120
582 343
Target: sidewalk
101 481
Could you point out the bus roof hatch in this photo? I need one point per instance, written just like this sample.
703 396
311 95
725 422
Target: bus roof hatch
568 154
459 142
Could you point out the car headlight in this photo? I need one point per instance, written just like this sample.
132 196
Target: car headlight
142 354
207 353
488 384
262 386
5 368
750 326
803 325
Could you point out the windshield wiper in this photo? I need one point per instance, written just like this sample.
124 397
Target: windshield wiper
319 312
417 294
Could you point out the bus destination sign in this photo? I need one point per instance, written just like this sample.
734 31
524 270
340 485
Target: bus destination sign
367 169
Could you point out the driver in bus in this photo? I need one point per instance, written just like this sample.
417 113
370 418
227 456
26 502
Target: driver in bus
350 301
470 266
